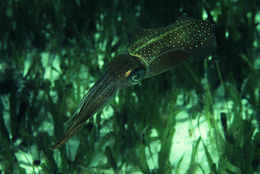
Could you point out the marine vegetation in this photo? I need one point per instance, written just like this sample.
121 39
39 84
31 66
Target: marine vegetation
191 71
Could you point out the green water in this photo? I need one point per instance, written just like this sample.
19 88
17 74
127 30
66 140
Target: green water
201 117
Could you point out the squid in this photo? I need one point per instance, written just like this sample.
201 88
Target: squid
153 52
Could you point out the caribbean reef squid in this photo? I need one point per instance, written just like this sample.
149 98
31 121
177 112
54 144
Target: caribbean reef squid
154 51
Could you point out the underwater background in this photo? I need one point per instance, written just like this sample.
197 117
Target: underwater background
201 117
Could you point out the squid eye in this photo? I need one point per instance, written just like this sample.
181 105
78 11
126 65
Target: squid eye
135 76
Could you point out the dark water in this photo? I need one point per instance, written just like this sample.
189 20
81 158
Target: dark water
200 117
